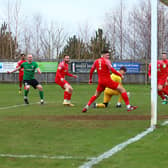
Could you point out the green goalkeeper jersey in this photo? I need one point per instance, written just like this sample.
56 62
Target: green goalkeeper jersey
29 70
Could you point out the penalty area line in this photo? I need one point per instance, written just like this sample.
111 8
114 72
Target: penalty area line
116 149
119 147
45 157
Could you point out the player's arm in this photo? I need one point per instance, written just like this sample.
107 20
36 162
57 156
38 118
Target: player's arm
149 71
91 72
38 70
71 75
16 69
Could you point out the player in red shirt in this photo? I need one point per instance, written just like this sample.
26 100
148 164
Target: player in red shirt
162 75
62 71
21 71
103 67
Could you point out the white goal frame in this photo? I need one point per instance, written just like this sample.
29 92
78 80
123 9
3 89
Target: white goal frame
154 29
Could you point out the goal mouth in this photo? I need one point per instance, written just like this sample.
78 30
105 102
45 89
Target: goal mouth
164 1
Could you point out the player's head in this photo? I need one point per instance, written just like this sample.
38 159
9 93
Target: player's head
66 58
105 54
29 58
164 55
123 70
22 56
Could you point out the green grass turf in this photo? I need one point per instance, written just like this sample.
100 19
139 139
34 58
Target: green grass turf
32 129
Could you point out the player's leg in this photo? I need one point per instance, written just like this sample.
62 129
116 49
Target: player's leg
117 86
165 90
106 100
67 94
41 93
20 83
99 90
36 85
124 95
118 105
67 91
161 92
26 91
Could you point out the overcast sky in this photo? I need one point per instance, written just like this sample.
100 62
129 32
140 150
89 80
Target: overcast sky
70 13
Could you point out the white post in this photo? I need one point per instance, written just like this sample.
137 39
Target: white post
154 5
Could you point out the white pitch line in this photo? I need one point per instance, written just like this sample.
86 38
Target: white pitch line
21 105
164 123
45 157
116 149
15 106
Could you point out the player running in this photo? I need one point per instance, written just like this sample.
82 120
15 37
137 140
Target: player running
162 75
62 71
103 67
28 78
22 59
108 93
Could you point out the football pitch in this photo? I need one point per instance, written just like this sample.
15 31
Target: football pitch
54 136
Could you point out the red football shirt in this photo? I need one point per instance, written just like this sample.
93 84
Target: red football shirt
103 67
62 71
163 68
21 72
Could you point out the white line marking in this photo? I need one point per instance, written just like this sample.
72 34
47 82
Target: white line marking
116 149
20 105
45 157
15 106
164 123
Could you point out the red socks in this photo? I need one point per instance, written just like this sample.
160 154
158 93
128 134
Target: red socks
20 85
160 93
67 95
92 99
125 98
165 90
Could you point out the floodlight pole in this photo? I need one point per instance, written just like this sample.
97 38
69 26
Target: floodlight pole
154 7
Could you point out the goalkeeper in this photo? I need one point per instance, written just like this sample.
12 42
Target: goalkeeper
108 93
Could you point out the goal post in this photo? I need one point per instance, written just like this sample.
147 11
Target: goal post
154 9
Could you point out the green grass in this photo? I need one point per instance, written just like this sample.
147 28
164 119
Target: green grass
33 129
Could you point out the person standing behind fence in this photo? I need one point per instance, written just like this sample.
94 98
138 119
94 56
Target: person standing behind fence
21 71
62 71
28 78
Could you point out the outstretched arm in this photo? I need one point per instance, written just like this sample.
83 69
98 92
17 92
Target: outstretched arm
14 70
71 75
91 72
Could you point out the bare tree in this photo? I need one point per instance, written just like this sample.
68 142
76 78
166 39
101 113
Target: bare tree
9 24
13 21
27 39
110 31
52 40
115 30
17 15
162 28
85 34
36 29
